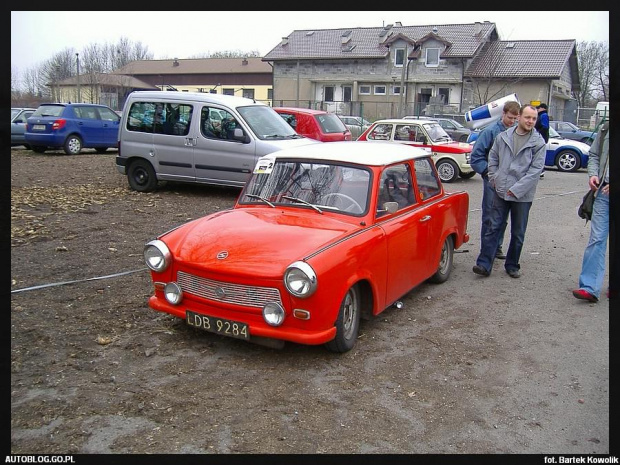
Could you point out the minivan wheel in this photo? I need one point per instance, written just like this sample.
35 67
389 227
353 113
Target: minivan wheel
141 176
73 145
447 170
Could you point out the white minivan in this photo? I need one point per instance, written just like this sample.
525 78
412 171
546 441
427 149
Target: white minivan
197 137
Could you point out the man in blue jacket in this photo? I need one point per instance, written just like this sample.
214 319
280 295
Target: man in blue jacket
542 125
516 160
479 162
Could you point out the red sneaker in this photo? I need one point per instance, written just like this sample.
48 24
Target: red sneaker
584 295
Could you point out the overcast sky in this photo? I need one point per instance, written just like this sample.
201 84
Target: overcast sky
38 35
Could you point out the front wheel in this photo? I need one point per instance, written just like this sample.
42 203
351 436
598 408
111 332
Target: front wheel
448 170
73 145
347 323
445 262
567 160
468 175
141 176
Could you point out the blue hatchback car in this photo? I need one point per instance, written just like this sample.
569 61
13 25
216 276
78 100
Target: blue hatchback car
72 126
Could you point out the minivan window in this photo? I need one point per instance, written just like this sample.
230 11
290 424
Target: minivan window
266 123
160 118
218 124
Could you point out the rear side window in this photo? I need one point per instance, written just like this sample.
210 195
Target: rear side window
172 119
85 112
426 178
330 123
49 110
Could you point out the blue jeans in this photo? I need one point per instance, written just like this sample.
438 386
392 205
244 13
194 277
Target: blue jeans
593 265
519 213
487 203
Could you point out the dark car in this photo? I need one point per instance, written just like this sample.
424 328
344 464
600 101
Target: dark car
315 124
455 130
18 125
72 126
570 131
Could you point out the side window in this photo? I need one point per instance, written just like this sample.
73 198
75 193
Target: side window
381 132
404 132
426 178
107 115
395 186
290 119
175 119
141 117
217 124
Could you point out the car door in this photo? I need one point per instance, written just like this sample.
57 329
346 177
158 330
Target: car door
110 124
89 126
406 231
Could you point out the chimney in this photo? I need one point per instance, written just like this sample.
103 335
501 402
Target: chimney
244 62
284 41
477 28
175 62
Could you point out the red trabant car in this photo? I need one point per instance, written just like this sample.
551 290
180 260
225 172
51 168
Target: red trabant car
315 124
321 236
451 158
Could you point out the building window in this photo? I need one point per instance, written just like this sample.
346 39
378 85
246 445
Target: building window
379 90
248 93
364 90
444 94
399 57
269 94
432 57
329 93
346 93
228 91
395 90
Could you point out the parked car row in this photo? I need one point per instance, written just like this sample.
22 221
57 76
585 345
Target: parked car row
565 154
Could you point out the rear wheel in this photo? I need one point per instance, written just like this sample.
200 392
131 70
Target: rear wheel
141 176
73 145
39 148
448 170
567 160
348 322
445 262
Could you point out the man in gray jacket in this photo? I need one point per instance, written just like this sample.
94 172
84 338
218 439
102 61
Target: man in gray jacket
515 162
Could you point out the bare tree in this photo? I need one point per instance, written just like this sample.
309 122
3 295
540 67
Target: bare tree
593 60
229 54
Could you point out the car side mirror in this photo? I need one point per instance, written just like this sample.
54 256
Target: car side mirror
390 207
239 135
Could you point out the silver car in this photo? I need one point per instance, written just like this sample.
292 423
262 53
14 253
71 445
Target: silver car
18 125
455 130
356 125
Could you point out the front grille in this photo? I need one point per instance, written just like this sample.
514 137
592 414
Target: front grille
236 294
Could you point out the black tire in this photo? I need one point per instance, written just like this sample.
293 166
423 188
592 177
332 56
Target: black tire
73 145
567 161
464 138
448 170
39 148
467 175
101 149
347 323
141 176
445 262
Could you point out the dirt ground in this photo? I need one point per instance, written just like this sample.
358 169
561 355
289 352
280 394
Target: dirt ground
472 366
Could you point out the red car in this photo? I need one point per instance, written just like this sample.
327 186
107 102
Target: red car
321 236
450 157
315 124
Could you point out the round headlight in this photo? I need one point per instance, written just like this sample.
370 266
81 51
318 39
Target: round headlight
173 293
157 255
300 279
273 314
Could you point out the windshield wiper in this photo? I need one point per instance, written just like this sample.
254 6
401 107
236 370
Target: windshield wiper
252 196
295 199
273 136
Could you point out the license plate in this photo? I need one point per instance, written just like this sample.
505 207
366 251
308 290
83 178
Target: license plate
218 325
38 127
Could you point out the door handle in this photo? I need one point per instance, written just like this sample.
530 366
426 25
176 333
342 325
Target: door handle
425 218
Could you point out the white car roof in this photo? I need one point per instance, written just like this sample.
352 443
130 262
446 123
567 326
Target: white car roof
376 153
406 121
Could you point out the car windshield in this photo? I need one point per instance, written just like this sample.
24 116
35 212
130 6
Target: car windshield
330 123
436 132
323 186
266 123
14 112
553 133
457 124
